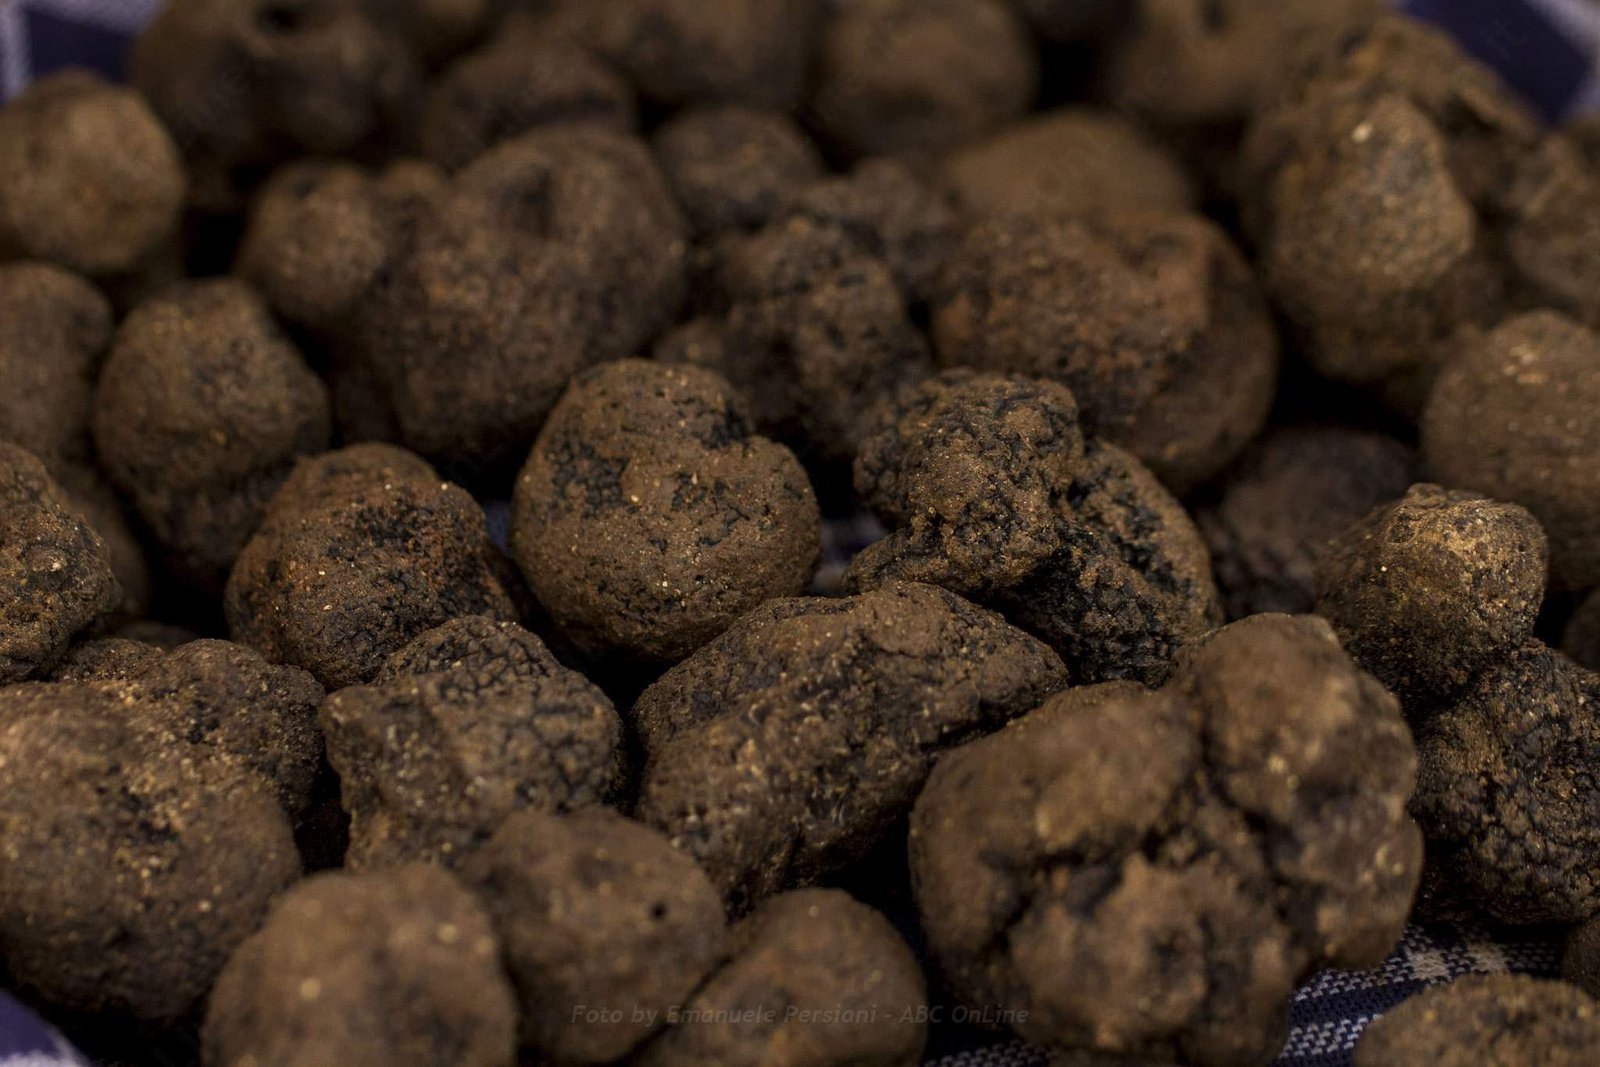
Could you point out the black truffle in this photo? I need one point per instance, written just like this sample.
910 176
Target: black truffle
735 167
1498 1020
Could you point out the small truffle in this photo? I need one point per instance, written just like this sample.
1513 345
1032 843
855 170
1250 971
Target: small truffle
604 927
1429 591
789 746
202 409
400 968
55 569
465 725
1283 503
735 167
1506 792
1516 416
649 516
1498 1020
1154 321
359 552
907 76
89 178
843 988
1145 875
989 489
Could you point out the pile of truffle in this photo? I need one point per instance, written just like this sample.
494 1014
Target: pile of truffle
421 423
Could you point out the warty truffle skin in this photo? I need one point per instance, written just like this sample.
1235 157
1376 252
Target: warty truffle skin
1492 1020
1145 875
788 747
735 167
650 516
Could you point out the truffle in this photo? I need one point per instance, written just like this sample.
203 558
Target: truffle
463 726
1498 1020
54 568
89 178
130 875
202 409
1071 161
109 659
1516 416
789 746
359 552
1431 590
735 167
1154 321
989 489
908 76
400 968
649 516
1145 875
835 982
1506 791
603 925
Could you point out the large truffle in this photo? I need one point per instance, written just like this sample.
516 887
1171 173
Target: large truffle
990 489
604 927
54 568
89 178
650 516
735 167
1498 1020
790 745
832 984
1279 508
360 551
1427 592
1516 416
400 968
1145 875
465 725
202 409
1153 320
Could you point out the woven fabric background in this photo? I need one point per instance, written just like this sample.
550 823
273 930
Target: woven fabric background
1547 49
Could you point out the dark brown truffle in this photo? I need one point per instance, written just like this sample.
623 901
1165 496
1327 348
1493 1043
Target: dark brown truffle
54 568
1072 161
735 167
649 516
832 982
110 659
604 927
1506 791
989 489
1279 508
360 551
907 76
1146 875
1427 592
465 725
1498 1020
789 746
202 408
400 968
1153 320
89 178
1516 416
129 876
1552 243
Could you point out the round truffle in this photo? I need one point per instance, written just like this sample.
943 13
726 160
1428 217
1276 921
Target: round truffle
1145 875
735 167
202 409
400 968
603 925
1427 592
1497 1020
1516 416
989 489
908 76
89 178
789 746
649 516
359 552
843 987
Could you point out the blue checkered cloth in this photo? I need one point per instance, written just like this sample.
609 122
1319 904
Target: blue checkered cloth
1548 49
